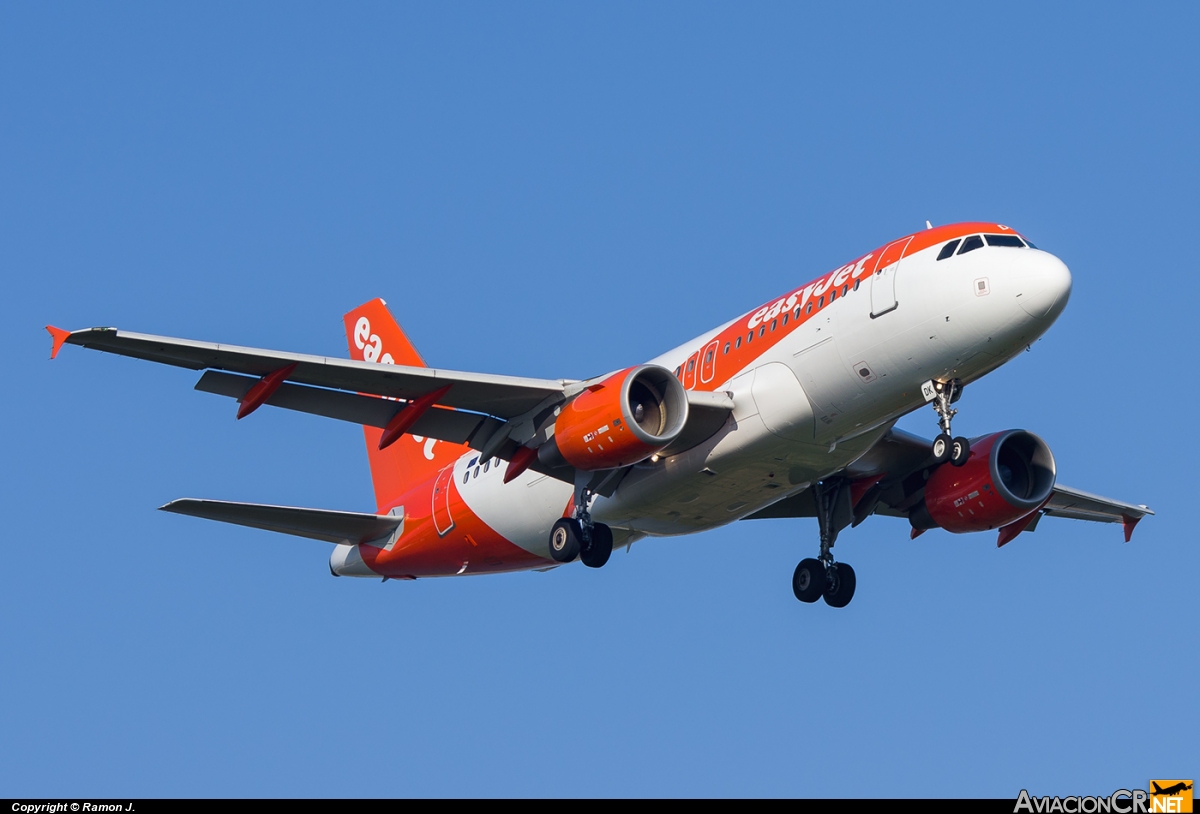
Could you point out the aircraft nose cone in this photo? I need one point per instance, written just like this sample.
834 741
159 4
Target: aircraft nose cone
1048 286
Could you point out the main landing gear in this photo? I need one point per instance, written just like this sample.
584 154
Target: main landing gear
946 448
580 537
823 577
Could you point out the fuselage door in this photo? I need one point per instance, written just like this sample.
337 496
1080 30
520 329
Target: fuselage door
708 367
883 281
689 371
442 519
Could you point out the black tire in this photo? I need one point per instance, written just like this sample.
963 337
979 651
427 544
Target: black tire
943 445
597 552
808 580
840 589
564 539
960 450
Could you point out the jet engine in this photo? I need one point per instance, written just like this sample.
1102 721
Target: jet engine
1007 476
622 420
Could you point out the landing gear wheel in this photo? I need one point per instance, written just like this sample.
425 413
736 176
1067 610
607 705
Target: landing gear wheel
943 447
840 589
597 552
808 581
960 450
565 536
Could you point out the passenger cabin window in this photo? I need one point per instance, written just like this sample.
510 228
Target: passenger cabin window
971 244
691 365
948 249
1005 240
738 342
727 347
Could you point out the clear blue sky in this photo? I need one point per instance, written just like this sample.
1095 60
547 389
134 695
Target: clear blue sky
503 174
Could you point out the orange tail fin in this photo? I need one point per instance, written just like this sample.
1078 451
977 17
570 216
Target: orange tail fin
374 336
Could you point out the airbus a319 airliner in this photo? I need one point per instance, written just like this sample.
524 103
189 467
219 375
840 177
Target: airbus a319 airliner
785 411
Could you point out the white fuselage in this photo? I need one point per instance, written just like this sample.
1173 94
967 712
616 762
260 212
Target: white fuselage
815 400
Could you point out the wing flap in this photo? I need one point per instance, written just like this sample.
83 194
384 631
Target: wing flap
349 528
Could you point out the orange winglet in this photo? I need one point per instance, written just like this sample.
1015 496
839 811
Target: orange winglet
403 420
59 336
1129 523
262 390
521 460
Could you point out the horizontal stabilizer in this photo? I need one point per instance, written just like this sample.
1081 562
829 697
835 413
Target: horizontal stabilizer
348 528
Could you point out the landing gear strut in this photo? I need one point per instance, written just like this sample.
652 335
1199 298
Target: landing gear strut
579 536
946 448
823 577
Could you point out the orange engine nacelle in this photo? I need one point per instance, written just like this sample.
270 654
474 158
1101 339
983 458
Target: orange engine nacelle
622 420
1007 476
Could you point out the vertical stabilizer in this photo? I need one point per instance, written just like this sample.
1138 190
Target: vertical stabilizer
374 335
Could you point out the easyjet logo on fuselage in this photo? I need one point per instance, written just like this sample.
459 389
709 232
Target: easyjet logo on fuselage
817 288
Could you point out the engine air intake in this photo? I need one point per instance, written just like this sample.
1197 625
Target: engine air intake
622 420
1008 475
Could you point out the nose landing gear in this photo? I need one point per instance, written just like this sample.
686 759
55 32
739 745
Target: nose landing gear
823 577
942 395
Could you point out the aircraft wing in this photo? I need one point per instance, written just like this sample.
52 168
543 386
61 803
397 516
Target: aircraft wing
348 528
1078 505
892 474
494 414
501 396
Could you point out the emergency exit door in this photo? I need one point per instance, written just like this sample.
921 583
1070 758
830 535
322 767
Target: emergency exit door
442 519
883 280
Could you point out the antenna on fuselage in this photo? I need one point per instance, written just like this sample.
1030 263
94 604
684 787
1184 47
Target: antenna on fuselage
928 225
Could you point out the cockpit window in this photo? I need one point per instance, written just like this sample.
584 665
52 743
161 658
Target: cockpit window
948 249
1005 240
971 244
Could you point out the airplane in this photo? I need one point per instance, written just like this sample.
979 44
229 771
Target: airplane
787 410
1170 791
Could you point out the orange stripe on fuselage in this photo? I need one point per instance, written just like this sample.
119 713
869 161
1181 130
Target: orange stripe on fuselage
765 337
422 552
